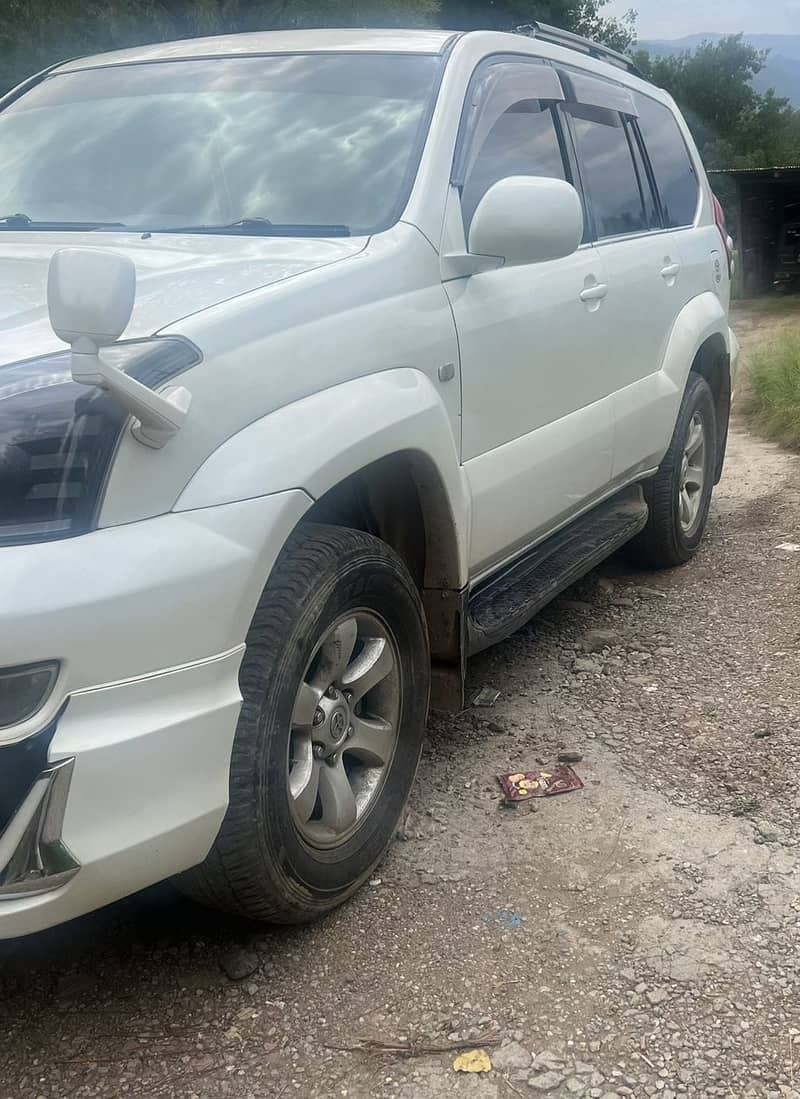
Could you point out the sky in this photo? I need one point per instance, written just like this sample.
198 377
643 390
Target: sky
676 18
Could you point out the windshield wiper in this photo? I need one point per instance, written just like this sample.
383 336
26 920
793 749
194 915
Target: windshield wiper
22 221
260 227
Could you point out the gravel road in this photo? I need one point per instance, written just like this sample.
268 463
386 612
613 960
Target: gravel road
636 938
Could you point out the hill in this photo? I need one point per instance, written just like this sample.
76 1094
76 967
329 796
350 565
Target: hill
782 69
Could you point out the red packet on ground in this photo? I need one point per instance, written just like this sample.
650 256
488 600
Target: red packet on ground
520 786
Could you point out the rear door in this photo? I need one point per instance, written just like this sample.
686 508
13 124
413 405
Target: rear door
641 260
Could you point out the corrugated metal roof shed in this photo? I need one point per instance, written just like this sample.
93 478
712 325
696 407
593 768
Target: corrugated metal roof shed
768 208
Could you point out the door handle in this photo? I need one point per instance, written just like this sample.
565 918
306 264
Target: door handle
670 271
595 292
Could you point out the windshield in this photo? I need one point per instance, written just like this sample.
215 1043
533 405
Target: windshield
304 141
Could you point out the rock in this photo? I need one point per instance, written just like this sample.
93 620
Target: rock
575 1086
595 640
238 964
511 1055
548 1059
766 832
412 826
570 756
657 995
546 1081
584 665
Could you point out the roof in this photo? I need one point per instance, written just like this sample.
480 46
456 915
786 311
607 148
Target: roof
267 42
775 170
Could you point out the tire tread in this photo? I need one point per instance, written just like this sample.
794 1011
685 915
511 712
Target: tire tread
659 544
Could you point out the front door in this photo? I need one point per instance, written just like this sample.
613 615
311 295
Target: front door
537 430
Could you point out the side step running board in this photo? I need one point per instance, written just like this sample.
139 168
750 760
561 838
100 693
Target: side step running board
508 599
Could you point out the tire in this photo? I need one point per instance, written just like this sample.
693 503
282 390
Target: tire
673 533
276 858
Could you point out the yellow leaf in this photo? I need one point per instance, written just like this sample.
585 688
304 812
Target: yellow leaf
474 1060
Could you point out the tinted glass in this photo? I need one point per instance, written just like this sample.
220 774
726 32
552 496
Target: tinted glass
607 169
522 142
651 208
300 140
672 168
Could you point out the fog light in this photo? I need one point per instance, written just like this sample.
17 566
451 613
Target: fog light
24 690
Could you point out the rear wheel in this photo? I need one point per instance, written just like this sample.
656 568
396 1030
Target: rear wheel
679 494
335 683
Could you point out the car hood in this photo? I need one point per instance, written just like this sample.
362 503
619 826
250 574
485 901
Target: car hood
175 276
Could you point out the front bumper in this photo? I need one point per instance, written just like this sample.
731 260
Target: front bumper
33 856
143 793
125 773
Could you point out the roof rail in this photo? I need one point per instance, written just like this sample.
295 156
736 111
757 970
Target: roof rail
577 42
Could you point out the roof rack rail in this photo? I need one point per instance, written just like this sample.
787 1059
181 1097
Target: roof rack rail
577 42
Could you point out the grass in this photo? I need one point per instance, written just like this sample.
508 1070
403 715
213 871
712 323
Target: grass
774 403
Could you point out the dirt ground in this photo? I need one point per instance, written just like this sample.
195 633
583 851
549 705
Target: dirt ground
636 938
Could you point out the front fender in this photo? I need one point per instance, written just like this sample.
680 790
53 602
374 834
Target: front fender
318 441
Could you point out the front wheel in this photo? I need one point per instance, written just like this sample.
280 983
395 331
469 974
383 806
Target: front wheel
679 494
335 683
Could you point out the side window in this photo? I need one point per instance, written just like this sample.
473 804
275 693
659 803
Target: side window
608 172
523 141
672 167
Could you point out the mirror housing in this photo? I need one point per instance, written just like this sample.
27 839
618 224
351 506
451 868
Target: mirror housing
527 219
90 296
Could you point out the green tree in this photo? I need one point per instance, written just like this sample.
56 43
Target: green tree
733 124
38 33
581 16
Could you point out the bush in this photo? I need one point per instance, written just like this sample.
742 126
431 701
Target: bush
775 389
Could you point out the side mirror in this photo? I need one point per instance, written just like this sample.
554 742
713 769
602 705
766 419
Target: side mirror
527 219
90 296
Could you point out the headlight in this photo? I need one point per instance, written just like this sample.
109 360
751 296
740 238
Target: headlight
58 438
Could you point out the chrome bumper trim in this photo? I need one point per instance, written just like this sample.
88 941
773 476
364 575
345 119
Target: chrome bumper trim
33 857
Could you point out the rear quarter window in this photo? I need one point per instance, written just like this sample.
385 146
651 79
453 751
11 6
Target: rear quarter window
673 170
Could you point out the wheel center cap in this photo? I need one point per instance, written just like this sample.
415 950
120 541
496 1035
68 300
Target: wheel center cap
338 723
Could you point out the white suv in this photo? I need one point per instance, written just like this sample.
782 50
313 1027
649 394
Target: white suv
326 359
